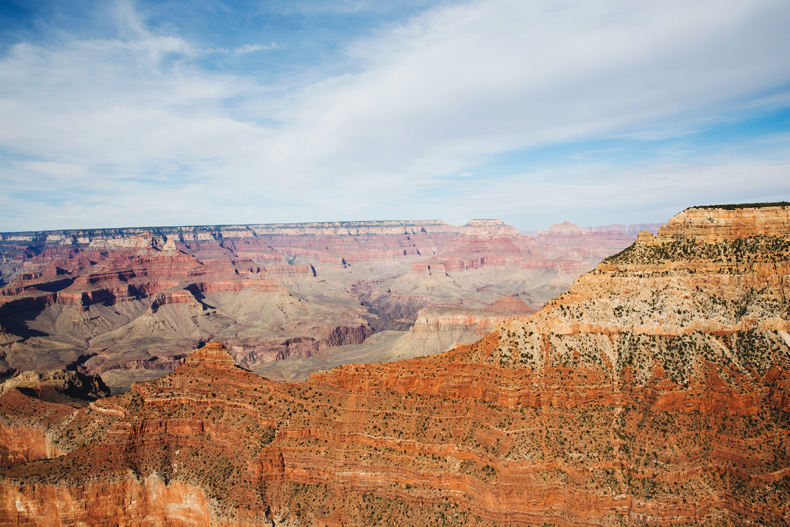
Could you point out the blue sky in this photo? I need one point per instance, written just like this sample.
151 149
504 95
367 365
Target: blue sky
140 113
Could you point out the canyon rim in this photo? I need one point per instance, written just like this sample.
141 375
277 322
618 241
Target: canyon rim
653 391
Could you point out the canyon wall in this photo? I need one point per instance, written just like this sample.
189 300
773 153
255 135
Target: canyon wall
126 303
655 391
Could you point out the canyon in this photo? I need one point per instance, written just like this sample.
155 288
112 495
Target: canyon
286 299
654 391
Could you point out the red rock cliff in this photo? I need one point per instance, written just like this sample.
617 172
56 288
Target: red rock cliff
653 392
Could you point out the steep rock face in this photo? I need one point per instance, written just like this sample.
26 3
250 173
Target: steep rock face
57 385
585 413
34 401
194 442
118 301
20 443
712 224
679 344
445 327
129 502
26 423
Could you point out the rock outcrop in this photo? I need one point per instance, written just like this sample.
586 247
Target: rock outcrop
119 301
57 385
656 391
446 327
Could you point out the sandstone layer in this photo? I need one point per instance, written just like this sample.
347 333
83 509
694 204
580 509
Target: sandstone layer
656 391
126 303
437 328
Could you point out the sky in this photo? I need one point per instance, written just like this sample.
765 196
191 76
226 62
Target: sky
204 112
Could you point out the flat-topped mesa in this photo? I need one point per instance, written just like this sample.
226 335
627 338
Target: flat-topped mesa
727 222
510 305
488 227
353 228
136 241
213 355
565 227
166 238
191 233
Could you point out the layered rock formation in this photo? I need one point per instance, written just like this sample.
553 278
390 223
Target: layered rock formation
126 303
446 327
437 328
656 391
57 385
35 401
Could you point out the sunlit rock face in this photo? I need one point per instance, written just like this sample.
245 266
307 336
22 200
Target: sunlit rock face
655 391
127 303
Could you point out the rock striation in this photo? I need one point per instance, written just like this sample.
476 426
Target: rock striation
126 303
655 391
212 355
447 327
57 385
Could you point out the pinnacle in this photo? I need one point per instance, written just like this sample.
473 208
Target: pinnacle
213 355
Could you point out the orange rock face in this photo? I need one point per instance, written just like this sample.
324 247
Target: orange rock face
712 224
21 443
654 392
213 355
120 300
129 502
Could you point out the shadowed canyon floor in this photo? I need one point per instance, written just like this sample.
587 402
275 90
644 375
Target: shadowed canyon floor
655 391
127 303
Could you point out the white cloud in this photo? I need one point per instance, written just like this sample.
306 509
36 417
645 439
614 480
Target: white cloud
492 76
246 49
440 95
253 48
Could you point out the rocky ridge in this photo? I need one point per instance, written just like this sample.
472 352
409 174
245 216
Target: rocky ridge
655 391
57 385
453 326
125 303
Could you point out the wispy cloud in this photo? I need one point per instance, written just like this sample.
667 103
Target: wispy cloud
414 127
253 48
246 49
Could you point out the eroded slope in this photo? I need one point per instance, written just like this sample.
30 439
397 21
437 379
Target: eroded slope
635 398
126 303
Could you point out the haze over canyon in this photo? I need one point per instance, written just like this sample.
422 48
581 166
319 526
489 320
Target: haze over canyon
129 303
654 391
191 336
